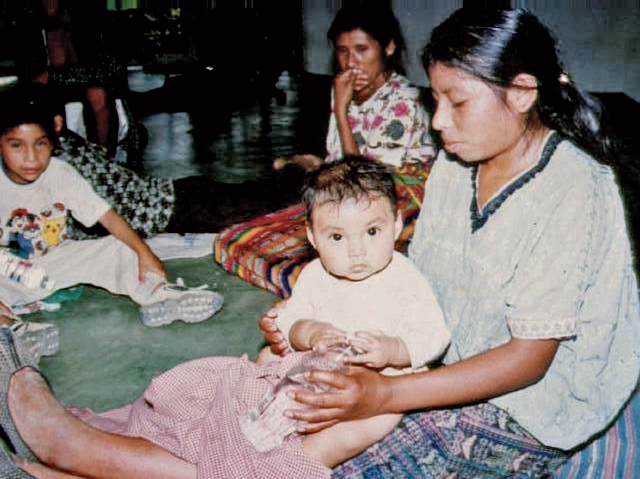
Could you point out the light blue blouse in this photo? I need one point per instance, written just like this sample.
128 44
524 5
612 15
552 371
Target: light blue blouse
549 257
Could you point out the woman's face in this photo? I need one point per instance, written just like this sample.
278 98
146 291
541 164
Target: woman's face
26 152
357 50
474 122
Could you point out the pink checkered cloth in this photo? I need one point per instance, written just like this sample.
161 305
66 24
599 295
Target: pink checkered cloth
192 411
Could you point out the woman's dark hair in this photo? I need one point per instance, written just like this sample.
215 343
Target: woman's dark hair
28 103
497 45
377 21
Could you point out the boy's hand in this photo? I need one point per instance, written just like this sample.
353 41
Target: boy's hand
378 350
7 318
149 263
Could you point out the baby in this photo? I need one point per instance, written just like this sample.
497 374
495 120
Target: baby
359 293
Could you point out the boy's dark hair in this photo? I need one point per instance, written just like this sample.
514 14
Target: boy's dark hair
28 103
352 177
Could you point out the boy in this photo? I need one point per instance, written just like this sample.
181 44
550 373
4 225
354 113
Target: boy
359 291
40 192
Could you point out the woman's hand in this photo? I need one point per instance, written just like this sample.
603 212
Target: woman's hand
358 394
345 84
272 334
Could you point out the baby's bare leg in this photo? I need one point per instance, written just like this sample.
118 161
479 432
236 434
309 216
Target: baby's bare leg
66 444
338 443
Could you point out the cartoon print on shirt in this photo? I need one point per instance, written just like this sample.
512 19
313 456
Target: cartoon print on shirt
30 234
24 234
54 221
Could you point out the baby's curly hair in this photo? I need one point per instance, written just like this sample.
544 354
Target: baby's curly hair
352 177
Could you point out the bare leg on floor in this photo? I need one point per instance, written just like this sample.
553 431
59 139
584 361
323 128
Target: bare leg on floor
40 471
66 444
105 117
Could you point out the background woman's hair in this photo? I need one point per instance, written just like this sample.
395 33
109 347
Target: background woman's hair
497 45
377 21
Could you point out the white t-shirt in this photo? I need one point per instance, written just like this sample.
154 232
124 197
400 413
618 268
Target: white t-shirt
549 258
398 301
33 217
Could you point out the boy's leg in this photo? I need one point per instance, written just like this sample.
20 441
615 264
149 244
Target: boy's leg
110 264
105 262
338 443
66 444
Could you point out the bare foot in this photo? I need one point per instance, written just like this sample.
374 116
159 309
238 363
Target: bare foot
279 163
41 421
306 162
64 443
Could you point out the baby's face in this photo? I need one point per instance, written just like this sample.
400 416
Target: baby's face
355 239
26 152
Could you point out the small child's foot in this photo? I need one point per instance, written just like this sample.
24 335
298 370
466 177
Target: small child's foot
181 304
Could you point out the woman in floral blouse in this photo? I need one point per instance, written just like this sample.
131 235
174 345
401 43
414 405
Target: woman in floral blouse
375 112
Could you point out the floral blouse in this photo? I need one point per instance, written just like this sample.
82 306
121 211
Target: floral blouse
392 126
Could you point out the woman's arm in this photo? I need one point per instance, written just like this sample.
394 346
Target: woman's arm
362 393
118 227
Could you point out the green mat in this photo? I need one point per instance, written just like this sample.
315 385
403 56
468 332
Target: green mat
107 357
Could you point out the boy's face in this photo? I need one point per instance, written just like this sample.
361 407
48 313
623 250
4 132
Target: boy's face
354 239
26 152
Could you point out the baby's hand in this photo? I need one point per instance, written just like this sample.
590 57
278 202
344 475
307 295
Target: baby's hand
377 350
326 337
